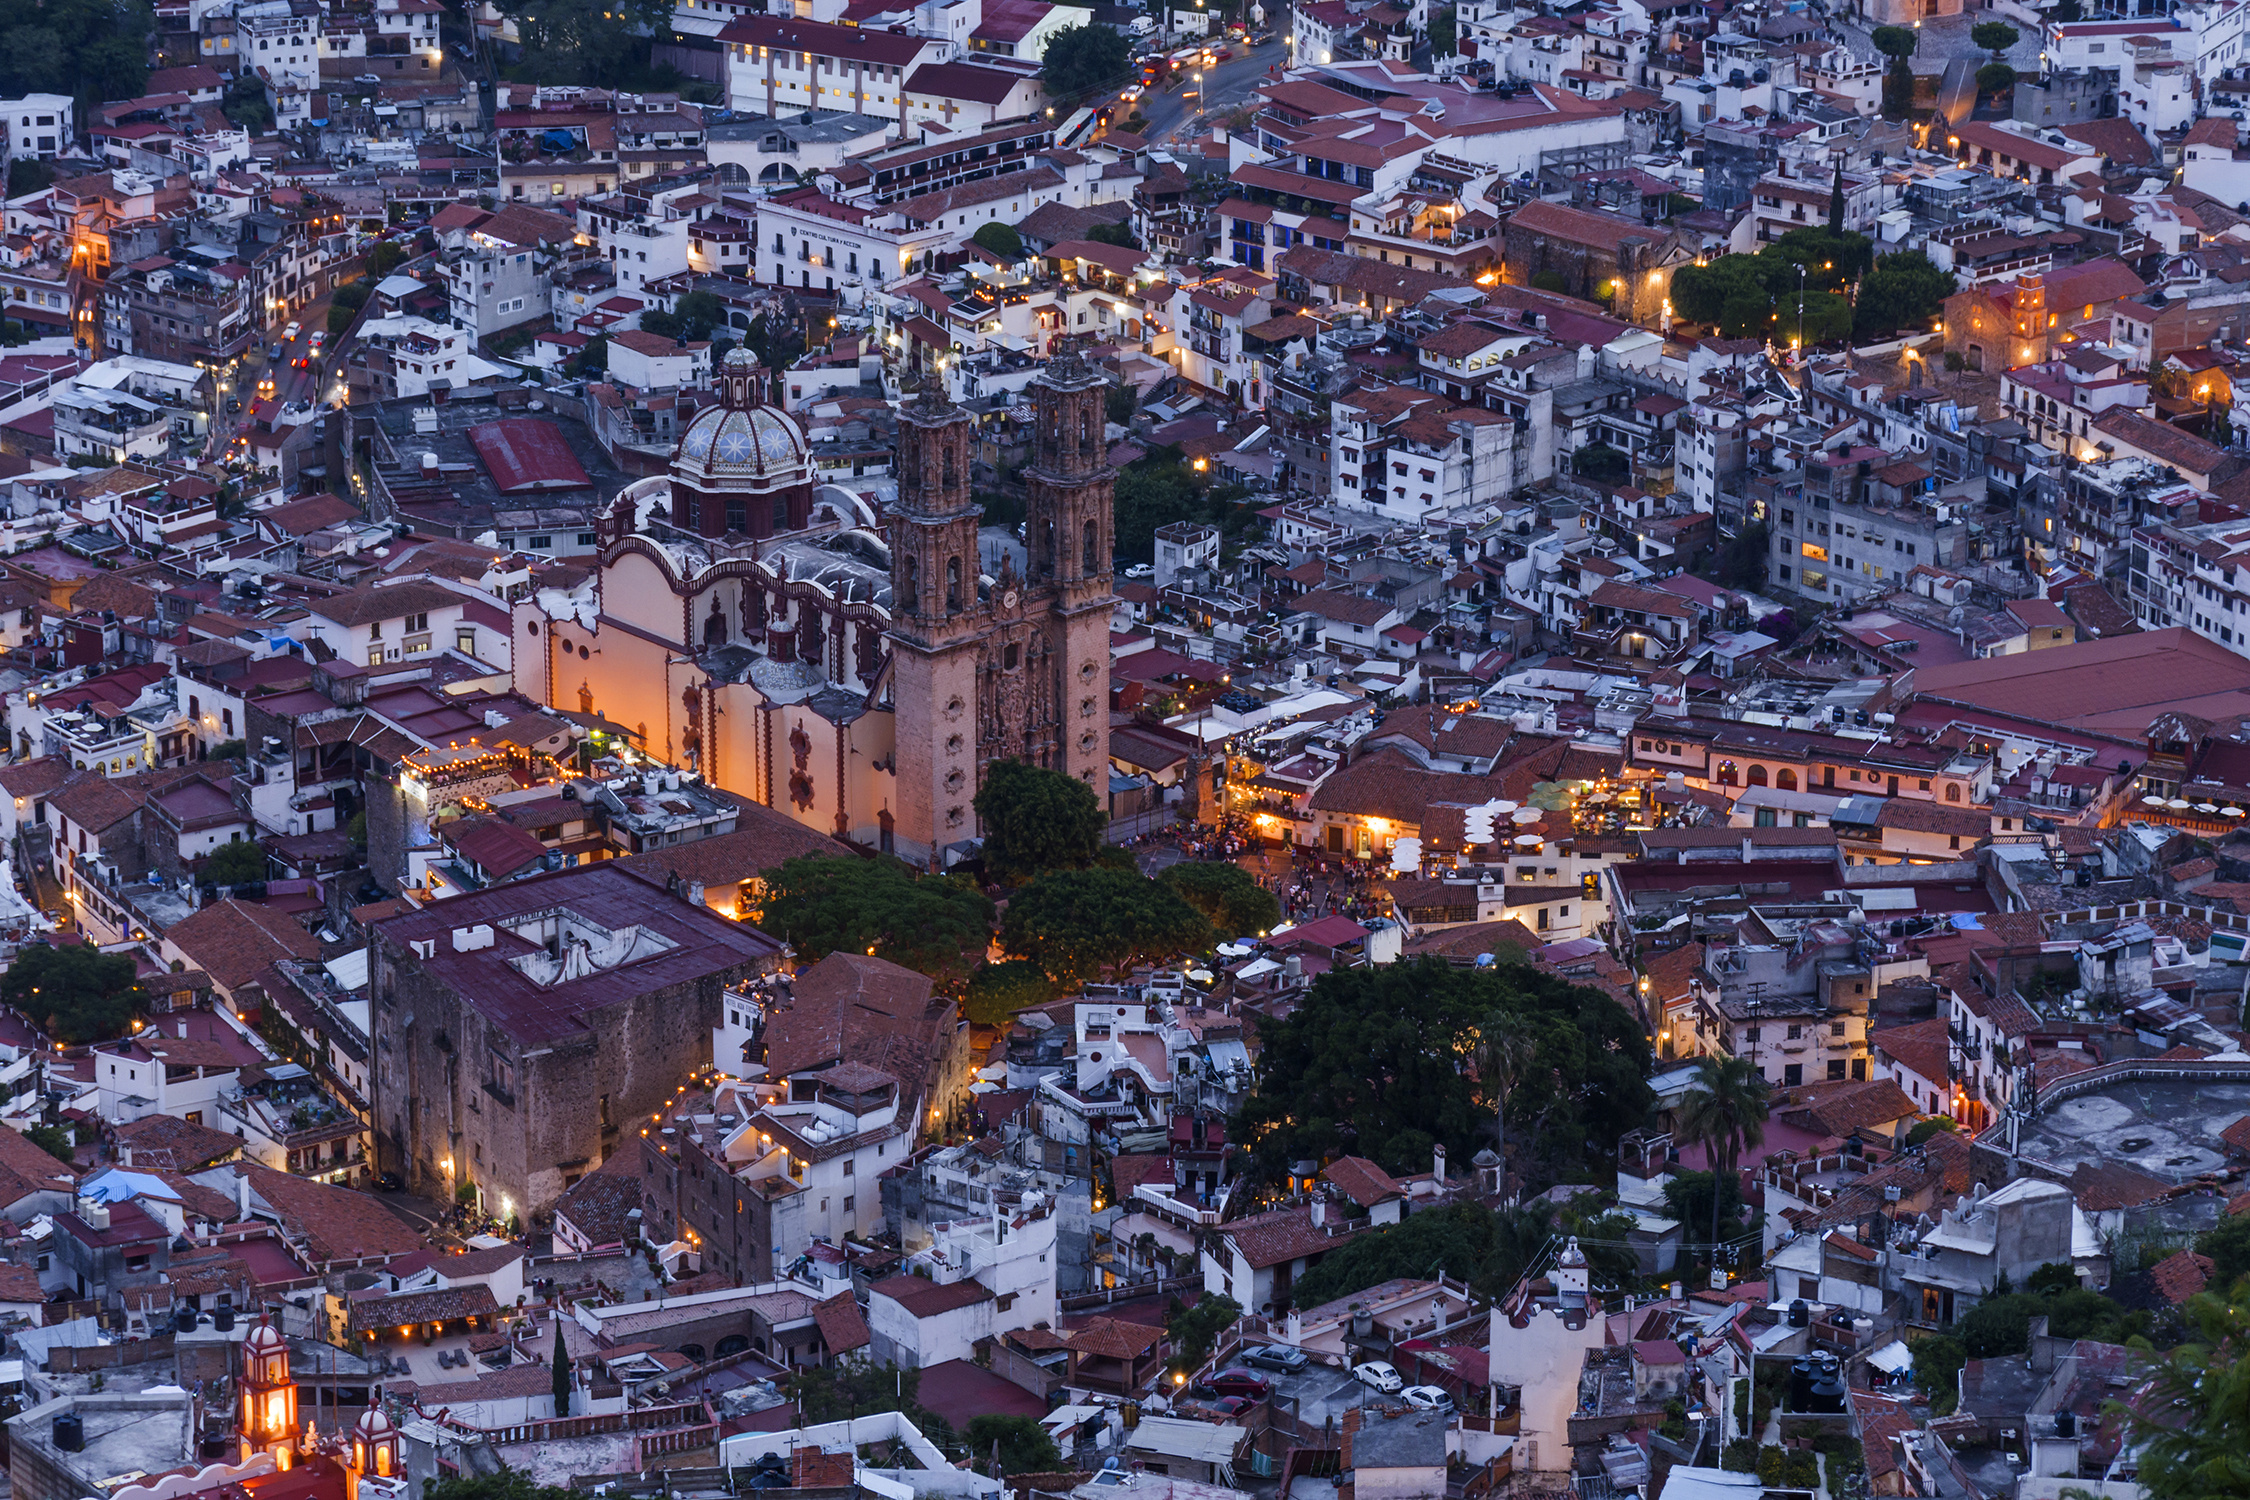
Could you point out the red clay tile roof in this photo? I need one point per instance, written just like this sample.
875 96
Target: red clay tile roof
1113 1338
1361 1180
2103 1186
2180 1275
842 1328
1269 1239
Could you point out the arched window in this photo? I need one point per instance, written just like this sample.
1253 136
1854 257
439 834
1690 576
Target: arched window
1757 776
913 600
953 585
1086 562
1726 773
947 464
1785 780
1085 427
1953 792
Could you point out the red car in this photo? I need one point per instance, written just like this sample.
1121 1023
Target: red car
1239 1382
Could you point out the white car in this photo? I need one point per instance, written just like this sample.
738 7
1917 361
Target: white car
1131 95
291 332
1380 1376
1427 1397
1141 570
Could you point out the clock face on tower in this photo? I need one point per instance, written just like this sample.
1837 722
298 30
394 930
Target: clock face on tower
1008 600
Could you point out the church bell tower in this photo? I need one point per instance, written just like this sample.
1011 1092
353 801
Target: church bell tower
1071 532
937 617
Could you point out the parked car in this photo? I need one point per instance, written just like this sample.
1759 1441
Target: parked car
1428 1397
390 1182
1380 1376
1229 1406
1141 570
1240 1382
1278 1357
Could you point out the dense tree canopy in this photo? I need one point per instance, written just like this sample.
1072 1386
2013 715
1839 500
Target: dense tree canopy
1036 820
597 42
1903 291
1076 924
1466 1241
1229 897
1994 37
1001 239
2192 1424
1193 1330
91 49
1756 296
507 1484
997 991
1083 59
1020 1445
235 863
73 992
693 317
1381 1063
818 904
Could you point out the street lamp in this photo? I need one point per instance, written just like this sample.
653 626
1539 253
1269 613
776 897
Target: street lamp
1800 344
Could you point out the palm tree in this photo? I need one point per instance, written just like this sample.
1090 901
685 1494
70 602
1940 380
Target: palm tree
1503 1050
1725 1110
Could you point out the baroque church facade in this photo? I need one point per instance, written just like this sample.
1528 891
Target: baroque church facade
853 666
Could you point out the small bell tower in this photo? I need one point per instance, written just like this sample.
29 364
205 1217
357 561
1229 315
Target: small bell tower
375 1468
269 1396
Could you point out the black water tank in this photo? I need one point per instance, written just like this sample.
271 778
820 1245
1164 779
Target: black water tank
1827 1394
2066 1423
1800 1316
1800 1385
70 1433
183 1319
222 1320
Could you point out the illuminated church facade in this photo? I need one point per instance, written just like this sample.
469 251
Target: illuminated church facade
855 670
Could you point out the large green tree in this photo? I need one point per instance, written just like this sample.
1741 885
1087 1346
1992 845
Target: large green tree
74 992
997 991
692 317
1194 1330
91 49
1994 37
2191 1423
1897 43
1036 820
1000 1444
934 924
1731 294
1078 924
1381 1062
1230 897
507 1484
1829 258
1903 291
235 863
1086 59
1466 1241
597 42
